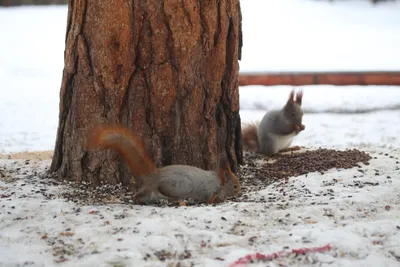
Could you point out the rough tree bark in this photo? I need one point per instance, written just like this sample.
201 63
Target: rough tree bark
166 68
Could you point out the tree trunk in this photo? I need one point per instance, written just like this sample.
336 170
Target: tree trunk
167 69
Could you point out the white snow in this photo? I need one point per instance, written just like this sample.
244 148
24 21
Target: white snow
280 35
361 230
315 35
31 65
323 98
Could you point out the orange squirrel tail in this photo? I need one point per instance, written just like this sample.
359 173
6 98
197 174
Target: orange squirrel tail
128 146
249 136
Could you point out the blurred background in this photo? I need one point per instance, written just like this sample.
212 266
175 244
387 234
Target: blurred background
343 54
61 2
32 2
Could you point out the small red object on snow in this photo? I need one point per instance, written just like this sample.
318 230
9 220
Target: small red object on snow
258 256
317 249
242 262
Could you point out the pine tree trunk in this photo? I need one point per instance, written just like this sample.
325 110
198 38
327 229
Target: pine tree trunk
168 69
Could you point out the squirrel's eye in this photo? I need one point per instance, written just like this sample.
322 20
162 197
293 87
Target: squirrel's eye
293 114
235 186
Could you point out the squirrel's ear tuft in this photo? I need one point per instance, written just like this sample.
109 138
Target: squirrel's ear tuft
299 97
223 168
291 97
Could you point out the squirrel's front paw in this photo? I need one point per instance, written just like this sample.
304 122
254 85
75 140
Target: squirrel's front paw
299 128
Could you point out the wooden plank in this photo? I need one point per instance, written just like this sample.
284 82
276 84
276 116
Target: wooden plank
313 78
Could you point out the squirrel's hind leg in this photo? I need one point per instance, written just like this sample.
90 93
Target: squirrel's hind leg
144 197
140 194
267 148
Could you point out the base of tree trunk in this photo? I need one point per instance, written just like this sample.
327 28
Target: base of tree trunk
166 69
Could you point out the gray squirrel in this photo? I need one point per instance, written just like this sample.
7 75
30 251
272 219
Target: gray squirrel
277 128
174 182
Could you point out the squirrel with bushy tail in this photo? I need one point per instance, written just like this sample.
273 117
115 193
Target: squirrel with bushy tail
173 182
277 128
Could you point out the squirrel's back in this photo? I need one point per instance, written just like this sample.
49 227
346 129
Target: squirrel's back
188 181
253 133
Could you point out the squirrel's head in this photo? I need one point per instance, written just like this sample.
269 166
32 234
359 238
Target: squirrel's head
292 111
230 182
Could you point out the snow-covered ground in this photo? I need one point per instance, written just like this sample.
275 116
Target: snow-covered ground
293 36
361 223
355 211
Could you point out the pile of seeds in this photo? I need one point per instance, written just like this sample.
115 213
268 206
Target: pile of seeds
96 195
319 160
255 175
